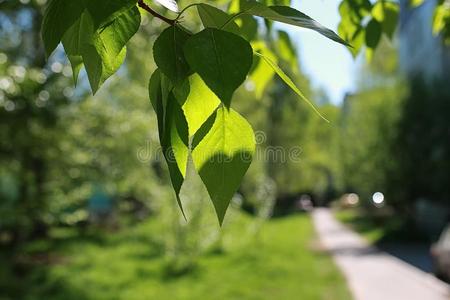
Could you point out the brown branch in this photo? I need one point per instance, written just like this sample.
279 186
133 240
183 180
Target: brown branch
144 6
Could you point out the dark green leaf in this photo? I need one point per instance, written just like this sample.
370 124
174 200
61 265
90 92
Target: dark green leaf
290 16
59 16
169 56
221 58
387 14
248 27
373 33
216 18
172 127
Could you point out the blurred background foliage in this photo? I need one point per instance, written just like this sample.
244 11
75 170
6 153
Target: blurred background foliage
84 189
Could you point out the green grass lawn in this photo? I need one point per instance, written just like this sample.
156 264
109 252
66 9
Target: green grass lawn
130 265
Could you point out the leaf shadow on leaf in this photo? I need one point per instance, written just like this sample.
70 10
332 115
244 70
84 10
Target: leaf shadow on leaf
203 131
220 191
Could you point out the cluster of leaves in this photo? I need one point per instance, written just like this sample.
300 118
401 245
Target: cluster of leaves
193 87
364 22
441 20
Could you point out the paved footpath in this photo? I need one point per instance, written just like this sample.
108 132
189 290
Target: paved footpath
370 273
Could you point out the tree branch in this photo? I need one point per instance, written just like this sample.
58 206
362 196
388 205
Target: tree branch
144 6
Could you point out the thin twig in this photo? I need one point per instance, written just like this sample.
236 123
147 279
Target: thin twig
144 6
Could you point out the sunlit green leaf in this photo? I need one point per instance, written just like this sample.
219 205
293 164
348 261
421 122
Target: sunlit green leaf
104 11
197 100
415 3
262 74
223 156
353 33
102 51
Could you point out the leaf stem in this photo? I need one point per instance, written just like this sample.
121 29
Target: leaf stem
144 6
230 19
184 9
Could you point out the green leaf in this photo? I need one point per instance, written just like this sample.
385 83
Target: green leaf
110 41
79 34
373 34
387 14
216 18
176 140
289 15
59 16
286 50
354 10
157 99
223 156
104 55
172 127
248 27
262 74
104 11
76 61
441 22
221 58
169 56
198 102
353 33
103 51
289 82
415 3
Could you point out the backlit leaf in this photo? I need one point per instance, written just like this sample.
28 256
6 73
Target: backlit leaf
198 102
223 156
104 11
262 74
289 82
